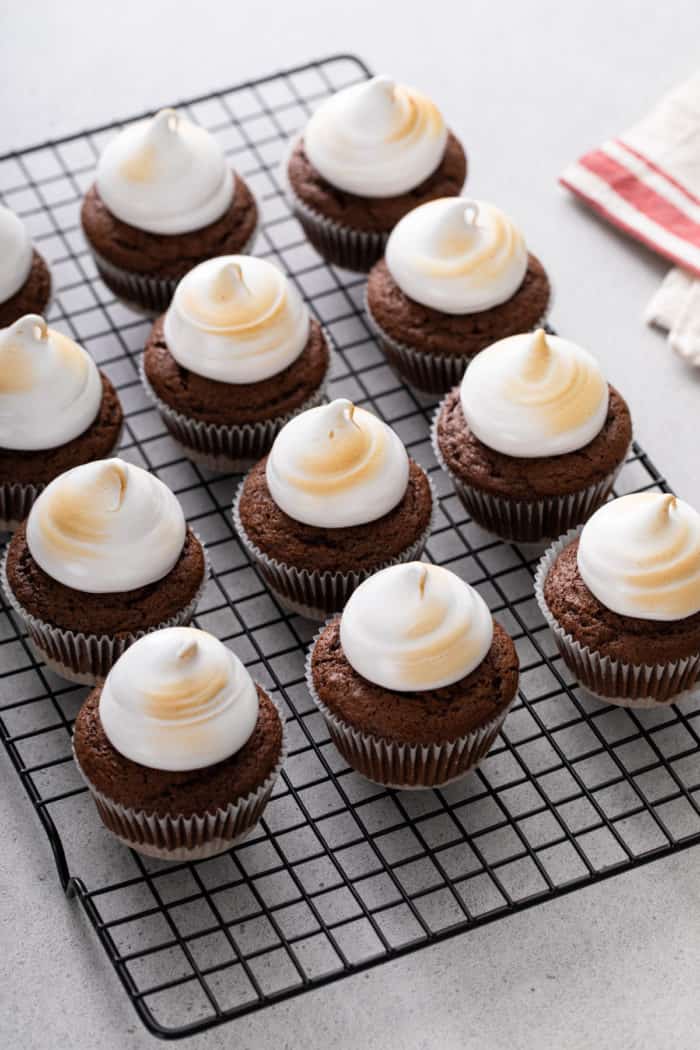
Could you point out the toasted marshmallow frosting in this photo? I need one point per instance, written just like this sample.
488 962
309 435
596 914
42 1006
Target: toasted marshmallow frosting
376 139
534 395
640 556
337 465
50 388
177 700
15 254
415 627
236 319
106 527
457 255
165 175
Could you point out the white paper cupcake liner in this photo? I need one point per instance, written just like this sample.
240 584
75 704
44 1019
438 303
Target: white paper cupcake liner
406 767
614 681
143 291
179 838
228 449
526 521
87 658
315 594
427 372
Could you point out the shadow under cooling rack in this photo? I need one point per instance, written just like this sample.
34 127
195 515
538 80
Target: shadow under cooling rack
340 874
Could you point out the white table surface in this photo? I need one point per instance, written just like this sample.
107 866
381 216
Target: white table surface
528 86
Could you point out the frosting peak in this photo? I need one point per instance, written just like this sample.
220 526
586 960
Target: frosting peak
236 319
439 630
165 175
457 255
50 388
106 527
337 465
376 139
640 556
534 395
178 699
15 254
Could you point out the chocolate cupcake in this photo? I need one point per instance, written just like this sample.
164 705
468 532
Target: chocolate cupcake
235 357
104 557
179 747
415 678
367 156
164 200
56 412
622 596
534 437
25 280
456 277
337 499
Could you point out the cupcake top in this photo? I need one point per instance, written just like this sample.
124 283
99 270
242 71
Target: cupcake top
457 255
50 388
534 395
640 556
106 527
376 139
236 319
337 465
15 254
177 700
415 627
165 175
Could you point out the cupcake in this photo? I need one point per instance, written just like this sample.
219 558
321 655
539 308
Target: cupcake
415 678
367 156
164 200
337 499
56 412
456 277
622 596
534 437
25 281
235 356
178 746
104 557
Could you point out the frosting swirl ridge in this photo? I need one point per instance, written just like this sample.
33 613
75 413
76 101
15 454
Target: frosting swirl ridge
15 254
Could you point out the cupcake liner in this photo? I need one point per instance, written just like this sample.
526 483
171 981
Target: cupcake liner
614 681
178 837
86 658
526 521
228 449
406 767
143 291
315 594
427 372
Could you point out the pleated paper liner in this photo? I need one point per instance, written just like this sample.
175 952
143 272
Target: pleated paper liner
315 594
614 681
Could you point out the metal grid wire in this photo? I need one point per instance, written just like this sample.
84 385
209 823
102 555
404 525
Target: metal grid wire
340 874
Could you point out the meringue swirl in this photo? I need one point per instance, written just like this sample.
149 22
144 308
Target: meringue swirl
640 556
236 319
337 465
106 527
457 255
415 627
534 395
165 175
15 254
178 699
50 388
376 139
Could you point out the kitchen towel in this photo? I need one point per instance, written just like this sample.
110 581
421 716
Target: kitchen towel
647 182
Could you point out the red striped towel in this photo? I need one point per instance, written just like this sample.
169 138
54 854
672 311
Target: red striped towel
647 182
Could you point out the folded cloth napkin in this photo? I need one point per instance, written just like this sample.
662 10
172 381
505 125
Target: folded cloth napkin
647 182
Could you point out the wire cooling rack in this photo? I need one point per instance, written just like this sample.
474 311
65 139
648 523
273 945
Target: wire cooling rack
340 875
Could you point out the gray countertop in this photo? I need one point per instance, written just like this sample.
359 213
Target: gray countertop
528 87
